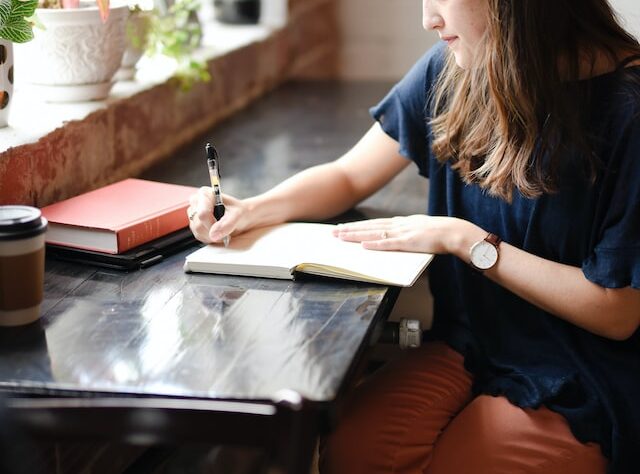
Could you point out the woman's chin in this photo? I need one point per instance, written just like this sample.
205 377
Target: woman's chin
461 60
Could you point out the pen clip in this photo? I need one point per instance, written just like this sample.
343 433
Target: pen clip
212 158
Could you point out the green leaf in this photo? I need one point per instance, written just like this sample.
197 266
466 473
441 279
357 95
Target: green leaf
13 24
5 11
18 31
177 35
24 9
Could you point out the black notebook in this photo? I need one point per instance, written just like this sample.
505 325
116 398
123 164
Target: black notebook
140 257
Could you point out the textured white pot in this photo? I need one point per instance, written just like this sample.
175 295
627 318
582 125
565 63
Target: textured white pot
76 56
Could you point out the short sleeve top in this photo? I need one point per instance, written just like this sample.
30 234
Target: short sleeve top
512 347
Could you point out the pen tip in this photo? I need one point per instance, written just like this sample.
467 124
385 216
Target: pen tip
210 151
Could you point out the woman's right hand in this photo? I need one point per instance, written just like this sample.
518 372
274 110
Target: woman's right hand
316 193
204 226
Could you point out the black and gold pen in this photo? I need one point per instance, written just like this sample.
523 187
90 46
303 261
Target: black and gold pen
214 175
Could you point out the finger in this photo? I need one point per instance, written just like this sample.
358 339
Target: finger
205 191
200 222
380 221
222 228
191 214
204 197
366 224
200 231
204 238
200 203
386 244
201 218
364 235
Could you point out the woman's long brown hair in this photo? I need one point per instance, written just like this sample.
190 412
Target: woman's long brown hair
497 119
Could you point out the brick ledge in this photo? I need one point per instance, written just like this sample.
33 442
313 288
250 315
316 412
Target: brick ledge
27 127
87 145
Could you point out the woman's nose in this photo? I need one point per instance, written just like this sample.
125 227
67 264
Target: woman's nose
431 19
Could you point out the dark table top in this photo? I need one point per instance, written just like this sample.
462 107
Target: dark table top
162 332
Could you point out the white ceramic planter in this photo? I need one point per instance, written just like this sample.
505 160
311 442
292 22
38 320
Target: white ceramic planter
77 55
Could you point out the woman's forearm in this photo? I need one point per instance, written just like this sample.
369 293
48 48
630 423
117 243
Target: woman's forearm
329 189
559 289
316 193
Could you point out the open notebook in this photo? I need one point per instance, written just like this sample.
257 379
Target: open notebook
283 250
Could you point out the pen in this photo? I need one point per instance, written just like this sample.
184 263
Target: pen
214 174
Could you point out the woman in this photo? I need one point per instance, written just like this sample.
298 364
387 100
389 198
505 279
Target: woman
526 120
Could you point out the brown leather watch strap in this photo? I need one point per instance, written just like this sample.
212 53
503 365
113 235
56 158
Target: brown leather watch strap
493 239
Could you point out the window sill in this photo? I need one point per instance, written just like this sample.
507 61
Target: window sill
54 151
31 119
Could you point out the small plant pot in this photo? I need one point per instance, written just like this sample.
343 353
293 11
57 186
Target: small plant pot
137 28
237 11
75 58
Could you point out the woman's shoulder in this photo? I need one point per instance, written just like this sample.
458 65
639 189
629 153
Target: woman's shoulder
614 103
620 90
615 121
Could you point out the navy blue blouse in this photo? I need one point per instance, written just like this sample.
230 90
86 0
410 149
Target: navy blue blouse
513 348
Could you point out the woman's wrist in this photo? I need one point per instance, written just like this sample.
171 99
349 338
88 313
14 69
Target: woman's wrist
462 236
248 214
256 213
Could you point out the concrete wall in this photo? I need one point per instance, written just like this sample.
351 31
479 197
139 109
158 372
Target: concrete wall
629 11
381 39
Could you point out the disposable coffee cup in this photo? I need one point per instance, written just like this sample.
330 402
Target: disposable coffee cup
22 230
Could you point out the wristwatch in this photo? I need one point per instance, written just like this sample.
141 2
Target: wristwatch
484 254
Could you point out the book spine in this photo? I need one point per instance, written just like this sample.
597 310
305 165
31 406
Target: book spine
152 228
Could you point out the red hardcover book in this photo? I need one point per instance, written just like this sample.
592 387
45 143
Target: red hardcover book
118 217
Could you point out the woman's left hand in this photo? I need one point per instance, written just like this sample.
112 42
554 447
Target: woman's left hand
417 233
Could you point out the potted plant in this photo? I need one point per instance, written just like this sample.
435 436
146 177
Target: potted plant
172 33
176 35
76 55
15 27
137 33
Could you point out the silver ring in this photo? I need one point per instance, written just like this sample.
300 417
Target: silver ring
192 215
384 235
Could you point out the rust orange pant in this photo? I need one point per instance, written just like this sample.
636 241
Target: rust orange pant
417 415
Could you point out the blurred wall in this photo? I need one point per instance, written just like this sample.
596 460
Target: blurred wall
381 39
629 12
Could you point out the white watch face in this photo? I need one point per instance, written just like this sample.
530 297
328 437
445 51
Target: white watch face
483 255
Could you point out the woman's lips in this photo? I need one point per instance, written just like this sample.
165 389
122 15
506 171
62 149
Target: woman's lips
449 39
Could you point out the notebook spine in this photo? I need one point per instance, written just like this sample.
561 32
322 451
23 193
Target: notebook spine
152 228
